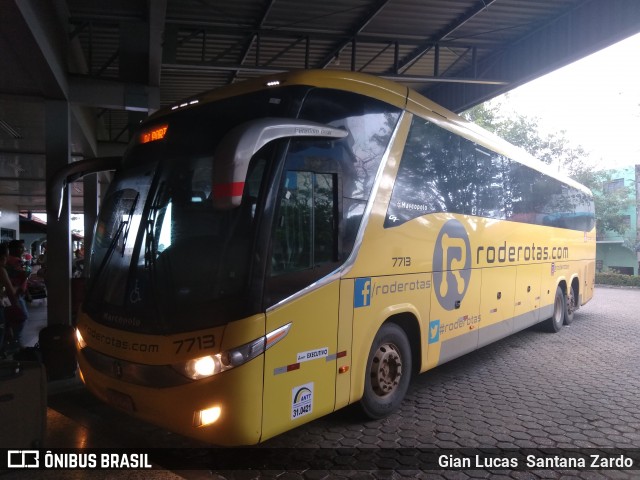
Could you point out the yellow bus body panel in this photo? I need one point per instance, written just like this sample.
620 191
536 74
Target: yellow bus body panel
300 370
497 299
345 344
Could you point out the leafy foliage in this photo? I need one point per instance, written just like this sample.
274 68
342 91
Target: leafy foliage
617 279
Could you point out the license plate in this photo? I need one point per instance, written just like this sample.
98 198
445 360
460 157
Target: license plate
120 400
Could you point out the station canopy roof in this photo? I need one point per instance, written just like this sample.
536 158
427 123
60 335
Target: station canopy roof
116 61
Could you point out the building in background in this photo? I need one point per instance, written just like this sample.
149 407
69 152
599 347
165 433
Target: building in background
615 251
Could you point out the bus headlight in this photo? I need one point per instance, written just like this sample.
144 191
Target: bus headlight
203 367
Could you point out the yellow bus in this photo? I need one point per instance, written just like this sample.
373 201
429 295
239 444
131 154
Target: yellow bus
274 250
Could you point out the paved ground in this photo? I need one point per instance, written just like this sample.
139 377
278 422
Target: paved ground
553 393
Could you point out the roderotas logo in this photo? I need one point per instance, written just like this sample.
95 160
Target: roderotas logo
451 264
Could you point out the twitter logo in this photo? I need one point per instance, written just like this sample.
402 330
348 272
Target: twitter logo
434 331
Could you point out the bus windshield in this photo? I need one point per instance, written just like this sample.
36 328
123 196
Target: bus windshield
163 258
157 232
167 257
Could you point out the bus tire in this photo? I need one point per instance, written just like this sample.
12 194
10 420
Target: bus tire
388 372
554 324
570 303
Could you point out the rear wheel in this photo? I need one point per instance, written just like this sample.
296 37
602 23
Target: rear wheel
554 324
388 372
570 305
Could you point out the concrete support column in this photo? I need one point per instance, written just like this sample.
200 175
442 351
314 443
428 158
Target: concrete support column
58 153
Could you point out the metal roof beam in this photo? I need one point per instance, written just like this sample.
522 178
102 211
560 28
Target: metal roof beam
417 53
585 29
315 33
198 28
157 11
284 51
255 36
113 95
48 61
355 31
47 24
206 67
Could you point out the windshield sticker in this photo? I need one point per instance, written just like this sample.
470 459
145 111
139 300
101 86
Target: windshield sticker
134 296
312 354
301 400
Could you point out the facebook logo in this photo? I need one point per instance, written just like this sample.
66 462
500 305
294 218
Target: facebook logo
362 292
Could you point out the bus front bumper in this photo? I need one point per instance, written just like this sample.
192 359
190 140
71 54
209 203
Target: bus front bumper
231 401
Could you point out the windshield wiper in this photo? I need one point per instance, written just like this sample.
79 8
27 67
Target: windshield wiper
150 248
114 240
127 224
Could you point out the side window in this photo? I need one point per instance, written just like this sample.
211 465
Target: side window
439 172
304 236
418 190
543 200
443 172
491 200
523 201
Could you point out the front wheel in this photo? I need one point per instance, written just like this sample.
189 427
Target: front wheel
388 372
554 324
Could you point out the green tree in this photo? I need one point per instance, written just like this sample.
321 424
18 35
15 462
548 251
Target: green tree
610 204
556 149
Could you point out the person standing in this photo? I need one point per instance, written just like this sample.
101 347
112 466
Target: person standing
18 277
8 298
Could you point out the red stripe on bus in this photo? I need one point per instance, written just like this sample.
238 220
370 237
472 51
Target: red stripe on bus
234 189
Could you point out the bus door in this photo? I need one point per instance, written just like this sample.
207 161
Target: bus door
300 370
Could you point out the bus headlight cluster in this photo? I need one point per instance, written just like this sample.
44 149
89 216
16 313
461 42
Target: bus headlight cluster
203 367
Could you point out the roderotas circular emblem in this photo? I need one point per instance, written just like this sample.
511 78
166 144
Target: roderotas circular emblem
451 264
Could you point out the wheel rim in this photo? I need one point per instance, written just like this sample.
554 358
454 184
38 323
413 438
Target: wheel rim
557 310
386 369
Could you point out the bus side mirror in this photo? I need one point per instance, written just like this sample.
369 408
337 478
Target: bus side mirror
232 157
72 172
